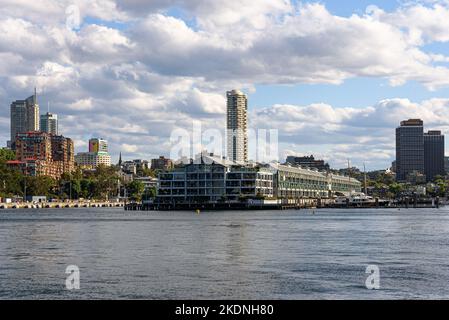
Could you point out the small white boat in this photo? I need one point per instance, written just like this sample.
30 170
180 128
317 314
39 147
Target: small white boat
355 199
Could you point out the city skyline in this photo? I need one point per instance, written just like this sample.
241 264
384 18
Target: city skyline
339 101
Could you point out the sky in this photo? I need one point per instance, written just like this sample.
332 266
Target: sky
335 78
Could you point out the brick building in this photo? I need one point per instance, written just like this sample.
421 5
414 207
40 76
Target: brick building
43 154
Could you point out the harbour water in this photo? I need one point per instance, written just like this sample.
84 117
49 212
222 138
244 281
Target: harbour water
224 255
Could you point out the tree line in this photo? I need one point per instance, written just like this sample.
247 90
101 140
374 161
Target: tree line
101 184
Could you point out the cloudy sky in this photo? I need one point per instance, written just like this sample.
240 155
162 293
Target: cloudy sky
334 77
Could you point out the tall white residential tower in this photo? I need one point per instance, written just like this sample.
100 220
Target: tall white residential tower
237 126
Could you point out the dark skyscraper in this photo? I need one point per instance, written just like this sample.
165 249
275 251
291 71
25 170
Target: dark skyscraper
409 148
433 154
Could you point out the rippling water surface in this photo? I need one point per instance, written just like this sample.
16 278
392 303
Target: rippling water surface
224 255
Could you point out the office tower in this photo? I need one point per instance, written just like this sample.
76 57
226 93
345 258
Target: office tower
43 154
49 123
24 117
433 154
409 148
237 126
98 145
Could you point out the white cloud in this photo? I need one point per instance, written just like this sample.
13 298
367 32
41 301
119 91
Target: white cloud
82 104
424 23
361 134
129 148
136 84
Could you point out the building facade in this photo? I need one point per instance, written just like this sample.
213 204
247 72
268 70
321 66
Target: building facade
135 166
433 155
409 148
418 154
42 154
24 117
91 160
214 180
308 162
237 126
49 123
294 182
98 145
63 152
446 165
162 163
148 182
97 155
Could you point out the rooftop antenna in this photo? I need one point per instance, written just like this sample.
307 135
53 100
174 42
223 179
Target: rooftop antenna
48 108
35 95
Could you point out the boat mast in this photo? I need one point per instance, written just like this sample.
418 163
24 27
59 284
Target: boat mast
364 178
349 174
349 171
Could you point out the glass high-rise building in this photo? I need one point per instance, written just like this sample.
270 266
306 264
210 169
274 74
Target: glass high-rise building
49 123
433 154
409 148
237 126
24 117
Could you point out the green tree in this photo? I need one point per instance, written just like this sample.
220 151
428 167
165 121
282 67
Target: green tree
136 189
7 154
105 180
396 188
87 187
146 172
150 193
441 186
38 186
10 179
70 184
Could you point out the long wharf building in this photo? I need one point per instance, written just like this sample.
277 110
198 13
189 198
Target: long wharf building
213 179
